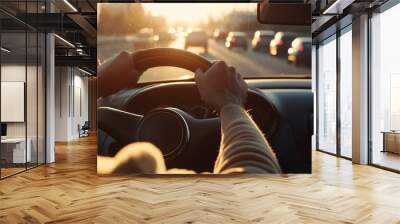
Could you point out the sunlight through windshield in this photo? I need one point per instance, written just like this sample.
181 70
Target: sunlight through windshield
216 31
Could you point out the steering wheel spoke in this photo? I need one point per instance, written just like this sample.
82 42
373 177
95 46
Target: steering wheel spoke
120 125
178 135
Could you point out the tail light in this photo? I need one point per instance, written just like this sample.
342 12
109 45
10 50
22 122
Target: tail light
233 39
280 42
301 48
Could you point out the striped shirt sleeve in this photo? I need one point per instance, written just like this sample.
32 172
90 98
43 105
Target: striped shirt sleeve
244 148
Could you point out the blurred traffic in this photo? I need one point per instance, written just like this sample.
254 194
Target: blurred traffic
252 48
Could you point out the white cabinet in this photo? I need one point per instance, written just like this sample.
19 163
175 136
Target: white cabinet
15 152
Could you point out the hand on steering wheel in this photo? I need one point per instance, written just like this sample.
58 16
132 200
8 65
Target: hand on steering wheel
180 146
221 85
124 70
218 84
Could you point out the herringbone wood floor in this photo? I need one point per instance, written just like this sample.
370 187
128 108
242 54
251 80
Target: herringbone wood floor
69 191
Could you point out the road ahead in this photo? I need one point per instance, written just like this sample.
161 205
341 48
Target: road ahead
248 63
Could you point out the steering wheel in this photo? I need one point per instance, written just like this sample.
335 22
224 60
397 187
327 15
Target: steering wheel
155 57
185 142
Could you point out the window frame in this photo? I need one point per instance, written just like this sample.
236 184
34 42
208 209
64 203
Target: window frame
380 9
334 36
27 29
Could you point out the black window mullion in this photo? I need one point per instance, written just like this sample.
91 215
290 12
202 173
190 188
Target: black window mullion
44 79
45 94
338 93
369 100
26 88
317 96
37 90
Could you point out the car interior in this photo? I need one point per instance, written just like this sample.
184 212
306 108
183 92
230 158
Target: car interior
172 116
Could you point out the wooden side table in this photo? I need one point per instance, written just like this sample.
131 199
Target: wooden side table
391 141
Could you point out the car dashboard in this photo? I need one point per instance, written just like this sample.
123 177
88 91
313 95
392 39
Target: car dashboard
282 109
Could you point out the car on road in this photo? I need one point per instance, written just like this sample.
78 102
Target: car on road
197 39
236 39
300 52
281 43
144 39
220 35
261 39
164 37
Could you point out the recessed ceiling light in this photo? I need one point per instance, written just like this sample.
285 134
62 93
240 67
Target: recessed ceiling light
337 7
84 71
70 5
5 50
64 40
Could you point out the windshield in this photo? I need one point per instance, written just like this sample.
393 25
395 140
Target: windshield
216 31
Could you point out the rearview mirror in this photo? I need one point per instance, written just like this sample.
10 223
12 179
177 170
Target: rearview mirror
273 13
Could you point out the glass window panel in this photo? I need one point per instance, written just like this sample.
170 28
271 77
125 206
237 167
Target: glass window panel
22 62
327 96
14 153
346 94
13 86
41 98
385 89
32 97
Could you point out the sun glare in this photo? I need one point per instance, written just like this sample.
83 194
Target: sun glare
194 12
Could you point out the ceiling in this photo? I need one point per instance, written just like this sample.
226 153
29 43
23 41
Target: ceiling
74 21
329 15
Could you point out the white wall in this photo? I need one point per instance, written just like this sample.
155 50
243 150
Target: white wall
80 103
71 94
15 73
61 103
33 126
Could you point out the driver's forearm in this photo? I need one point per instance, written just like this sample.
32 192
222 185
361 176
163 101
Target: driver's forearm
106 83
243 148
116 73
